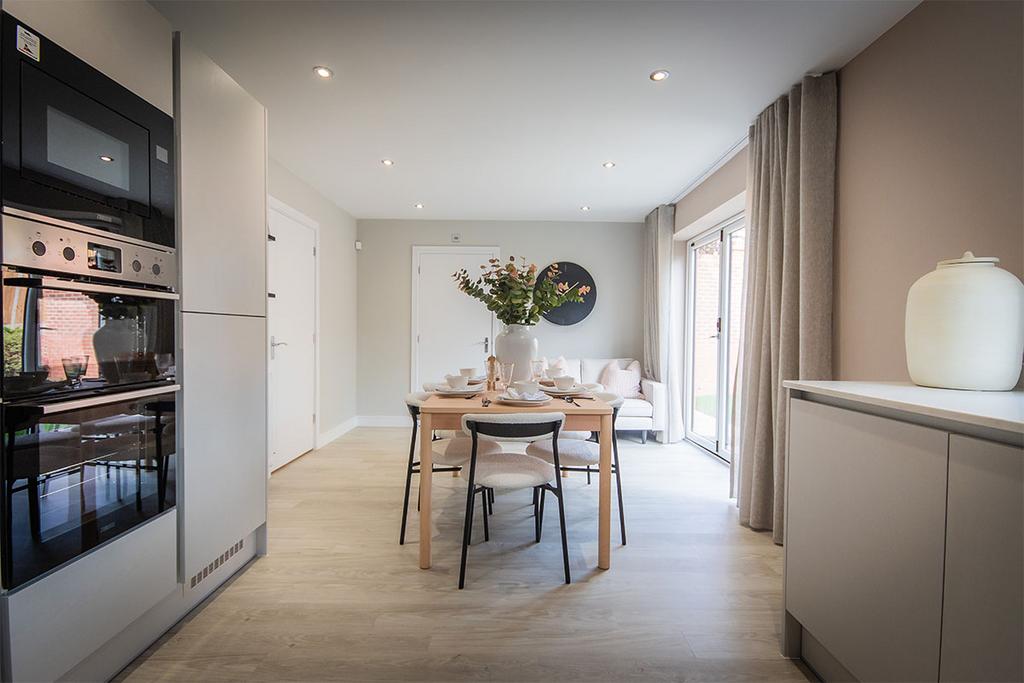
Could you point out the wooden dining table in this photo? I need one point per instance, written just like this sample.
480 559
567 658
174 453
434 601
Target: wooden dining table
584 414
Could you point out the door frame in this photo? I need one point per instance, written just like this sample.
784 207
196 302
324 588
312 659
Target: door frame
418 251
275 204
720 233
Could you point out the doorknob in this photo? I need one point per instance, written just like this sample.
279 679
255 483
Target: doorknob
274 344
487 344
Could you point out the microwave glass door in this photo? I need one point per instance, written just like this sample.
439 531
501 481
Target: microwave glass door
75 479
60 340
73 143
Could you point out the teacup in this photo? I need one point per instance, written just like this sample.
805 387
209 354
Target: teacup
564 382
526 386
457 381
468 372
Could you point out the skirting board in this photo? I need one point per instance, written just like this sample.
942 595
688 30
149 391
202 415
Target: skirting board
384 421
336 432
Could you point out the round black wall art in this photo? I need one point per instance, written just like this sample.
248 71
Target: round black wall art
571 312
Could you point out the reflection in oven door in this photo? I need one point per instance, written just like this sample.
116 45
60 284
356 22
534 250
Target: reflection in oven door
74 479
64 337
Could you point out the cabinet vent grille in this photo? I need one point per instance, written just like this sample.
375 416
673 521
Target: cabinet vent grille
210 568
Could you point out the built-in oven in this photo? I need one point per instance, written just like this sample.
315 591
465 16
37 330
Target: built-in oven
83 315
78 147
76 474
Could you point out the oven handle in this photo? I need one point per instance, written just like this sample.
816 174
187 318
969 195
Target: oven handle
93 401
76 286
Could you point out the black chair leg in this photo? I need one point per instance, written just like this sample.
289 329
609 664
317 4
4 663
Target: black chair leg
618 486
565 540
408 485
536 499
467 532
540 517
490 497
588 475
483 504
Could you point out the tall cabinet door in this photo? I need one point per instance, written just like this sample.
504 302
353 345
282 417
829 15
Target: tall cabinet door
225 445
983 605
222 133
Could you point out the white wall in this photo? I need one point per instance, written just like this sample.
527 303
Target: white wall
337 309
128 41
610 251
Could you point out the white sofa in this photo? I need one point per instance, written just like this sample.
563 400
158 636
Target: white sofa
645 414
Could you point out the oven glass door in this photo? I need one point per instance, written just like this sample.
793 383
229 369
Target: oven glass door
63 337
78 477
74 143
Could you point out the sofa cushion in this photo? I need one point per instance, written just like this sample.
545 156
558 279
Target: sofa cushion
622 381
591 368
636 407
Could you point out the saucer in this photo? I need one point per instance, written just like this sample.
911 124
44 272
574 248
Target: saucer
457 392
575 389
509 401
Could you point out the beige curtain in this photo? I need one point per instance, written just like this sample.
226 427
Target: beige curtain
662 316
788 332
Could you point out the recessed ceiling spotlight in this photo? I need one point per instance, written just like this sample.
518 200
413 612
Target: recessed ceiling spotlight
387 162
584 208
659 75
323 72
418 205
609 164
106 157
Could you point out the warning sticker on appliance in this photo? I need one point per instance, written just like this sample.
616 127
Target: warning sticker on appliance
28 43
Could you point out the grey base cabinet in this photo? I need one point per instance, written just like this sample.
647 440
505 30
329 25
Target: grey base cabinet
904 548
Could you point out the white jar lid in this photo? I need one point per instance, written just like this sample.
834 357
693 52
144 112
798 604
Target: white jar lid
968 258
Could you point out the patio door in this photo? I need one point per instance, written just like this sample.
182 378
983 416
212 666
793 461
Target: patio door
714 321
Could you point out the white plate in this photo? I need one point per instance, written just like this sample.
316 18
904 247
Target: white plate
555 391
457 392
522 401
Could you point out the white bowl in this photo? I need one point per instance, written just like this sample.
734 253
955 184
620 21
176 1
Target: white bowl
564 383
468 372
457 381
526 387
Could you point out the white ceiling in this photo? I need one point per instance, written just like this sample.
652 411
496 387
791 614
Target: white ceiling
506 110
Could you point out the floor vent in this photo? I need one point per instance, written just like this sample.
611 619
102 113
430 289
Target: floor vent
210 568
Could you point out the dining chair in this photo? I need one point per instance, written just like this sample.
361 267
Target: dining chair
512 471
585 456
449 454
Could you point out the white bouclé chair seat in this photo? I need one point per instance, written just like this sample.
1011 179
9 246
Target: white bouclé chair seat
571 452
457 451
512 471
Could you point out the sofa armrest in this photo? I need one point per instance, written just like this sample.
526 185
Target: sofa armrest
657 394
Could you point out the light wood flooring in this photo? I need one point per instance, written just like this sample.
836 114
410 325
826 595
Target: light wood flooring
693 597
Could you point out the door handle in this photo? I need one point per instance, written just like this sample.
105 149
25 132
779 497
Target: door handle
274 344
487 344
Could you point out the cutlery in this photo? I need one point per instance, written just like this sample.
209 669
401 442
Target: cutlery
486 402
470 398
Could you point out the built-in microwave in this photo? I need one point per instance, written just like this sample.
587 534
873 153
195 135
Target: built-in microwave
78 147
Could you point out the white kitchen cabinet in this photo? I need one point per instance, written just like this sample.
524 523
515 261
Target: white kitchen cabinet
224 405
223 191
904 541
983 606
864 539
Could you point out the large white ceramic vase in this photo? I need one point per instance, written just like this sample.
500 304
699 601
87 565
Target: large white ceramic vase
517 344
965 326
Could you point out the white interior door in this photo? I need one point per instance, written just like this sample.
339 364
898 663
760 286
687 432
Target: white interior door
450 330
291 307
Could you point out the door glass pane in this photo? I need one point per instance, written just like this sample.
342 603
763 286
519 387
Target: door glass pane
733 320
704 380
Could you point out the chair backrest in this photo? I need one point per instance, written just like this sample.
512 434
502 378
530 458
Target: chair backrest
512 425
612 399
415 400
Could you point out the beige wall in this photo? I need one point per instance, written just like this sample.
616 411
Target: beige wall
699 209
337 309
930 165
610 251
128 41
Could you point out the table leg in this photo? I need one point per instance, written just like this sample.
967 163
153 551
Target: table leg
426 479
604 520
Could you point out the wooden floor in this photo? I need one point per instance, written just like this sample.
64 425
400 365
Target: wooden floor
694 596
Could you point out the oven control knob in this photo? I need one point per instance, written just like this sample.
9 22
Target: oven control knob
69 254
38 248
156 269
136 265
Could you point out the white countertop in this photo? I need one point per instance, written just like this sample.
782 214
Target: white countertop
995 409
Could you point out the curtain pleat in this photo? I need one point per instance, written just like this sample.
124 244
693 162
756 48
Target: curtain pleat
788 334
662 316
